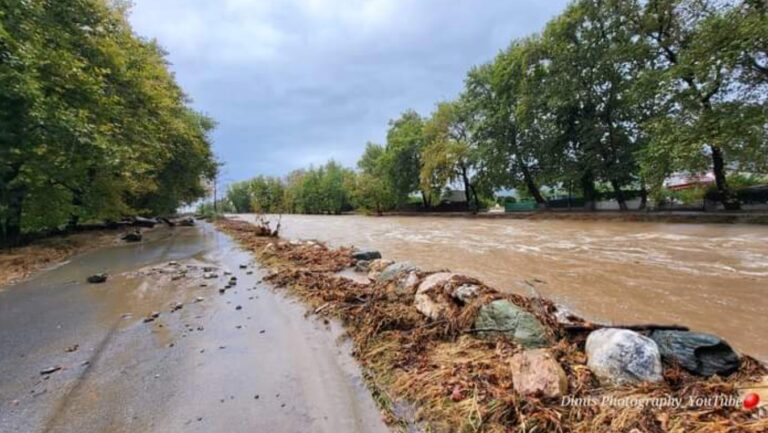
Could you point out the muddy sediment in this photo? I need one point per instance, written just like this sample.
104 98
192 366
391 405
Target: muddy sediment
458 381
158 347
18 264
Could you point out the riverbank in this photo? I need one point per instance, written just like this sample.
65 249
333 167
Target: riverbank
459 380
760 218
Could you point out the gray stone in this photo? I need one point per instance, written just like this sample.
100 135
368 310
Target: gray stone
701 354
466 292
623 357
394 270
504 317
362 266
407 283
97 278
366 255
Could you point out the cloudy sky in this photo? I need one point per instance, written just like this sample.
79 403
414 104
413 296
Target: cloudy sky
297 82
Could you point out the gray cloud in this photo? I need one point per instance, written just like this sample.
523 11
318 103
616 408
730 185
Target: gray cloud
296 82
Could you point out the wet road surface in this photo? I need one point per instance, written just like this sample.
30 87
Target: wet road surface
207 367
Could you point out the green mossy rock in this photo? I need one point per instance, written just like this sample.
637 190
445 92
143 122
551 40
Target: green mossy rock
513 322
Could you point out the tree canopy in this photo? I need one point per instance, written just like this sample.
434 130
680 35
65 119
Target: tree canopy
92 123
607 101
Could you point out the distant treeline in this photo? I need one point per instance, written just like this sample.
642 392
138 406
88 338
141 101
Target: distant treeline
93 126
612 97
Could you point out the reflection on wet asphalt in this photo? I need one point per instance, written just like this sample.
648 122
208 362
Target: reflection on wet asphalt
208 366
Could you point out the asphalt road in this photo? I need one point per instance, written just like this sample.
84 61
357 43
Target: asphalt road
206 367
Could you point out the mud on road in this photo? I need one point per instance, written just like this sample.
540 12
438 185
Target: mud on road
78 357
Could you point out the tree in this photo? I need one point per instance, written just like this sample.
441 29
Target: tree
92 123
709 112
373 190
594 60
267 194
500 98
405 142
448 155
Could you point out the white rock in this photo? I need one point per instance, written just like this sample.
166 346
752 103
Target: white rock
408 283
623 357
466 292
426 299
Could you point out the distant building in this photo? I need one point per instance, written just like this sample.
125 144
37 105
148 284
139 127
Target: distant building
680 181
454 196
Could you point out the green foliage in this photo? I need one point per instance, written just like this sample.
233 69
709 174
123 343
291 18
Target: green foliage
92 123
402 157
610 99
373 190
449 153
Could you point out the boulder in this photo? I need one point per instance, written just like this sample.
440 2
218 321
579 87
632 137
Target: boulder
378 265
623 357
366 255
362 266
407 283
466 292
437 279
701 354
430 305
504 317
394 270
428 300
537 372
97 278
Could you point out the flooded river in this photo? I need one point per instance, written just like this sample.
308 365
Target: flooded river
709 277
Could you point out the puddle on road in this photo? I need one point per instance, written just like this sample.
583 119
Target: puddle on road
198 368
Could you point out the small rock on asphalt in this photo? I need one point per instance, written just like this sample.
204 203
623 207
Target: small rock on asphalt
97 278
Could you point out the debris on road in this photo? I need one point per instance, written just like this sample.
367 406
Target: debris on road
134 236
97 278
50 370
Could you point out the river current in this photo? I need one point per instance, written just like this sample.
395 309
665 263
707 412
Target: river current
710 277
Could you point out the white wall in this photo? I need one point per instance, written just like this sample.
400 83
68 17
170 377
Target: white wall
633 204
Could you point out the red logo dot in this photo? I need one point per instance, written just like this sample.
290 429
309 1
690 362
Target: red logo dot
751 401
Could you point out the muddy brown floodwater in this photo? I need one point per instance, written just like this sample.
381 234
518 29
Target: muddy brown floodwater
709 277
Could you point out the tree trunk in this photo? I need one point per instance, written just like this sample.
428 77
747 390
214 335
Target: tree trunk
11 235
619 196
424 199
467 186
643 197
730 202
531 185
588 189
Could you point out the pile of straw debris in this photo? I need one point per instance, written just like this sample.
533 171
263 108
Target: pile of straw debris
440 376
